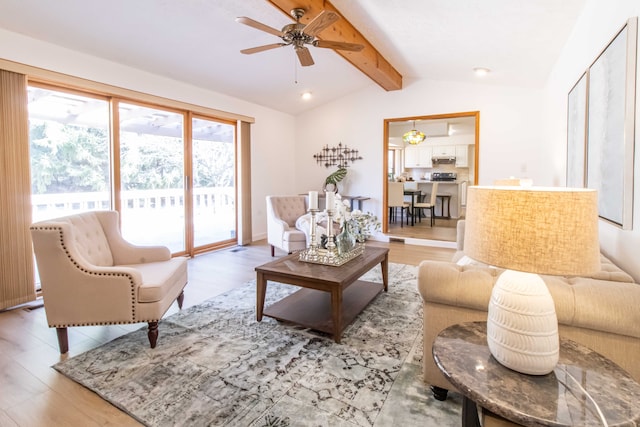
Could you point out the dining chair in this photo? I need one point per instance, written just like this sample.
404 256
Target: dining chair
431 205
410 186
395 199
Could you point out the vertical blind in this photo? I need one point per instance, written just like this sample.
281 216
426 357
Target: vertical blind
16 260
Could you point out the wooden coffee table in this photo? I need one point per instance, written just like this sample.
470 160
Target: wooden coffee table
330 298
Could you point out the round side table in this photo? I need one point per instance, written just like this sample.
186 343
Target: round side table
584 387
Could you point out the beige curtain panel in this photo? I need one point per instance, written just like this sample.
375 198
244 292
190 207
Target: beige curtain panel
16 259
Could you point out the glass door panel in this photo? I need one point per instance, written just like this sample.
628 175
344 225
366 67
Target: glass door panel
69 154
152 176
214 192
69 150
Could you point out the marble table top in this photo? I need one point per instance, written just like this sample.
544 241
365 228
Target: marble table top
565 397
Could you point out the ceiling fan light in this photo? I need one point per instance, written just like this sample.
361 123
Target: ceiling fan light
481 71
413 137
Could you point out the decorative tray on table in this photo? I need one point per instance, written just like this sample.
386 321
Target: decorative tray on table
330 257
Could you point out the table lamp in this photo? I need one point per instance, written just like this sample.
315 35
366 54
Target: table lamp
530 231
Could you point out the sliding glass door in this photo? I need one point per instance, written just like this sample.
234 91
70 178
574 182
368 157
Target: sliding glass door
173 174
152 171
213 190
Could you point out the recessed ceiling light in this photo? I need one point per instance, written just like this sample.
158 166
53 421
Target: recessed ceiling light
306 96
481 71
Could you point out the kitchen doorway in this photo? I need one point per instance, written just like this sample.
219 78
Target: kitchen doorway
448 155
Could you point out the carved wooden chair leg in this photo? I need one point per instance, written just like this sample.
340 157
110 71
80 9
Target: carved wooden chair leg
63 340
153 334
180 299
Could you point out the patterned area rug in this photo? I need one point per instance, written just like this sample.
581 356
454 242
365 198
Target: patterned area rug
215 365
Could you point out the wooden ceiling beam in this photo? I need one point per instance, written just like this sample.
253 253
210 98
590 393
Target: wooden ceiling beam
369 61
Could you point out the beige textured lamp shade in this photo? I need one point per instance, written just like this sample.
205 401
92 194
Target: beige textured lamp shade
530 230
544 230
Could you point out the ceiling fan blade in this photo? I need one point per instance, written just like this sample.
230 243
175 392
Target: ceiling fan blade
304 56
353 47
262 48
258 25
320 22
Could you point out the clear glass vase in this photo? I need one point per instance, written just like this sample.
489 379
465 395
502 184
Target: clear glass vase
346 240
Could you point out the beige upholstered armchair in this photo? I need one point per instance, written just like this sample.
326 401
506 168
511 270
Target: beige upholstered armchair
282 213
91 276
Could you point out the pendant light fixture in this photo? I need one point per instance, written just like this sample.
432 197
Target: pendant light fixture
414 136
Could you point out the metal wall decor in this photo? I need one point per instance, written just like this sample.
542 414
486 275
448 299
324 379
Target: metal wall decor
341 156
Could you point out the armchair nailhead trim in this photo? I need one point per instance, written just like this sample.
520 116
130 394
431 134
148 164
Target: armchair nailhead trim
69 325
93 273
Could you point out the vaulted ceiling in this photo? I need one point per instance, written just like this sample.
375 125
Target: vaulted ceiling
199 42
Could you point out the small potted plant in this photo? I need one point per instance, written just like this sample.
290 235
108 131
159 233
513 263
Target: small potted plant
331 182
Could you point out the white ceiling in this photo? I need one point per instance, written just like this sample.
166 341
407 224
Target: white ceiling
198 41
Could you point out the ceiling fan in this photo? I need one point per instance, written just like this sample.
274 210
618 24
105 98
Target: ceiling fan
298 35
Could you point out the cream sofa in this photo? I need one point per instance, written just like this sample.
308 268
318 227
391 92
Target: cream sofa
601 311
91 276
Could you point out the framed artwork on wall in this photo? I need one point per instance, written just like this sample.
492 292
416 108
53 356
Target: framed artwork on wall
577 133
611 84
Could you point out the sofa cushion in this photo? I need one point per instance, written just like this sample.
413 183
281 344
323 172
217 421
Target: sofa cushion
158 277
294 236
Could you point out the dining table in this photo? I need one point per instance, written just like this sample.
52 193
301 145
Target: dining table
413 194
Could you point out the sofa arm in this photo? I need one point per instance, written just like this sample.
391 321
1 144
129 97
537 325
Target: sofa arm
104 295
448 283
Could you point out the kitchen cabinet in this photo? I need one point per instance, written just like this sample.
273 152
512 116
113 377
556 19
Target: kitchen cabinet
417 157
462 156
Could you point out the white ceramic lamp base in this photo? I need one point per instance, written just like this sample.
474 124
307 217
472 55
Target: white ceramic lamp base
522 327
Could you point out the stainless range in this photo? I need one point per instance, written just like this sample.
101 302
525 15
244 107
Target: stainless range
444 176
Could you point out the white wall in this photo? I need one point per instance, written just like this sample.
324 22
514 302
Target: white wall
510 132
599 22
272 135
522 131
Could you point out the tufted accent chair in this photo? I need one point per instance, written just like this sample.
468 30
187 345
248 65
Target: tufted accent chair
90 275
282 213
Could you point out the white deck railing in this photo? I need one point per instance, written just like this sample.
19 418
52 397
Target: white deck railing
152 216
220 199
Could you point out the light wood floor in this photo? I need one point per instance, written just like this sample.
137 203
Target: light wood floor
443 229
34 394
